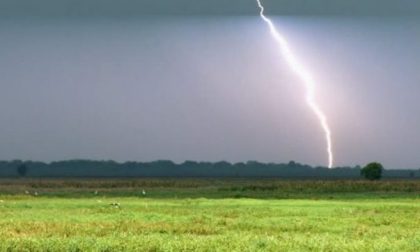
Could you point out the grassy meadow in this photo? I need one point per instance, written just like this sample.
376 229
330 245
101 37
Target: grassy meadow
209 215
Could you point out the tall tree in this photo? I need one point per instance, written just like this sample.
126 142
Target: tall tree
22 170
372 171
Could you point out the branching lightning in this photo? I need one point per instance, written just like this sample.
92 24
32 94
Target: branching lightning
306 78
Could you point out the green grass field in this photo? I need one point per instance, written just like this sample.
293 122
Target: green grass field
228 216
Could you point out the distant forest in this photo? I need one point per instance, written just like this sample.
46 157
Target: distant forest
164 168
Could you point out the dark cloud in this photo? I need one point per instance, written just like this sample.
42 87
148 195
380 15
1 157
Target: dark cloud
134 8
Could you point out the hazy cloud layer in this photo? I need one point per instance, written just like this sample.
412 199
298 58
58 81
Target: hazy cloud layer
133 8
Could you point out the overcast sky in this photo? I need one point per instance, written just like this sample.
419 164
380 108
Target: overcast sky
203 80
134 8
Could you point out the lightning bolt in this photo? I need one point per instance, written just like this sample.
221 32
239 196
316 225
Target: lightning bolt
306 78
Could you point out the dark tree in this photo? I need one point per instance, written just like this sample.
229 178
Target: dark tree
22 169
372 171
412 174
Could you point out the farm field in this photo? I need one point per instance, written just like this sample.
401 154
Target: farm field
209 215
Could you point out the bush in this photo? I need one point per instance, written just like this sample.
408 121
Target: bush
21 170
372 171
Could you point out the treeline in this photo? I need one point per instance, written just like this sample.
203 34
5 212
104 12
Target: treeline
165 168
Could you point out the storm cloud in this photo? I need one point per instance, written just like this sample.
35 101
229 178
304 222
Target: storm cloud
134 8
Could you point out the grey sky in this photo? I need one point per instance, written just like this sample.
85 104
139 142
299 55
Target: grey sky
204 87
129 8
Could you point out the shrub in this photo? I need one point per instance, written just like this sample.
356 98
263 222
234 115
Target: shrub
372 171
21 170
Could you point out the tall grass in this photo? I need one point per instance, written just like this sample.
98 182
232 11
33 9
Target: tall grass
212 188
